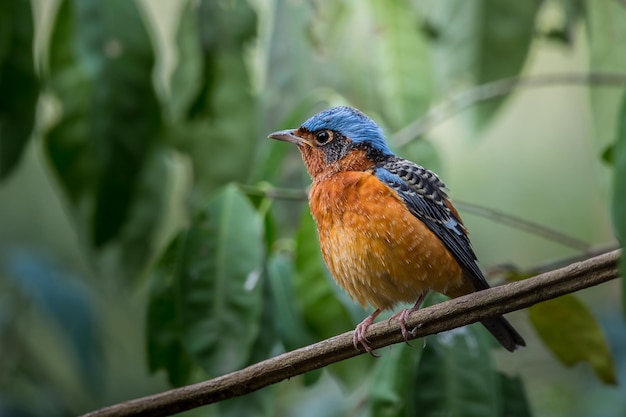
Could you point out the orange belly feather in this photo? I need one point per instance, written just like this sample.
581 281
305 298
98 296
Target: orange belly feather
376 250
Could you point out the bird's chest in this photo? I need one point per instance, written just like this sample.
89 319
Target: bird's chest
373 246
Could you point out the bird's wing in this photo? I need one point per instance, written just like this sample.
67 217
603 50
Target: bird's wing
425 197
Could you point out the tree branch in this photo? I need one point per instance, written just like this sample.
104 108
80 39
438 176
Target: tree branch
435 319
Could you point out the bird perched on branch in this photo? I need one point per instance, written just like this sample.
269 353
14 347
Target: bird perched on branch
387 230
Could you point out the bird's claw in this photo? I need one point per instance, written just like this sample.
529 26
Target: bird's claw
403 316
359 337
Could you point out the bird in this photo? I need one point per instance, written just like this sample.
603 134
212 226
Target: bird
387 229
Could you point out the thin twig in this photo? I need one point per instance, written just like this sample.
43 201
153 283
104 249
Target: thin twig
495 89
525 225
435 319
274 192
513 273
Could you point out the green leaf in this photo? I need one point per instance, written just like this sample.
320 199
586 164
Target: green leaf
404 66
456 376
570 331
18 82
152 219
256 404
101 63
291 71
65 304
165 327
68 144
514 400
618 157
221 287
186 79
392 381
214 110
214 270
607 154
479 42
574 10
606 35
290 328
565 31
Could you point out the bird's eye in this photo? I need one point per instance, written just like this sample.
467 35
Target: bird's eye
322 137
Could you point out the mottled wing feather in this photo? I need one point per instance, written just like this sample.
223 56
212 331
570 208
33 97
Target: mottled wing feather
424 194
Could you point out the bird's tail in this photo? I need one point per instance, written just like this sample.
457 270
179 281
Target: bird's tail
504 332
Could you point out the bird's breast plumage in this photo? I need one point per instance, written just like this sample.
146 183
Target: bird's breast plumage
374 247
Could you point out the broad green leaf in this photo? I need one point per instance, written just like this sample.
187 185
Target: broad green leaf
260 403
214 270
574 10
18 82
165 327
514 400
479 41
291 71
456 376
267 336
392 380
186 79
68 143
618 157
606 35
222 286
67 306
153 216
570 331
214 109
396 57
607 154
127 120
404 64
564 30
101 63
289 325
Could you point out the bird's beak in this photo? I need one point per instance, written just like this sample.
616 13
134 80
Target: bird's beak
289 135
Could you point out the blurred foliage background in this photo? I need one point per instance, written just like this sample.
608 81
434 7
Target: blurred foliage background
151 236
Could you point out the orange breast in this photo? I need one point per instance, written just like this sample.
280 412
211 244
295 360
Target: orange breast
374 247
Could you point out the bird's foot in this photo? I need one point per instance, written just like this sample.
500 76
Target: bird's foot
402 316
359 337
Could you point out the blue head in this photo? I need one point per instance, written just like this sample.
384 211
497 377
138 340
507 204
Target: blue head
350 123
326 139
